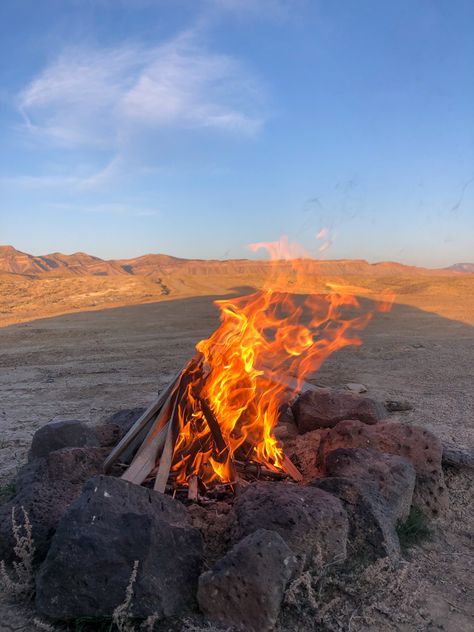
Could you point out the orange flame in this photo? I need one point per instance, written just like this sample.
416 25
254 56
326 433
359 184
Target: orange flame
272 333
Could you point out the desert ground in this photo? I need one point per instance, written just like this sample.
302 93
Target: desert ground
87 365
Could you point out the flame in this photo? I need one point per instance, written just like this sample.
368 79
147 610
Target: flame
231 402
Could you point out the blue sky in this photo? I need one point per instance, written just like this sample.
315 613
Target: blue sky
195 127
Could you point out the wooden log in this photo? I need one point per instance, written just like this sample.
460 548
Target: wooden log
166 459
193 487
221 446
214 427
290 468
144 461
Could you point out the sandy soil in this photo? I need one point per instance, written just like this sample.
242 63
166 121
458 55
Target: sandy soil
86 365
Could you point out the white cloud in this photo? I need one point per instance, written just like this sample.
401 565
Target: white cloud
99 97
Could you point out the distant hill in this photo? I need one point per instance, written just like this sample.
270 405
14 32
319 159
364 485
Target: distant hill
462 267
159 265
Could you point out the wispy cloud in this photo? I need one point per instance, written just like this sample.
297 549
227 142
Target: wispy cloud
109 208
98 97
87 178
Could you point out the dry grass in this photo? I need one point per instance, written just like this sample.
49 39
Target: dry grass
20 581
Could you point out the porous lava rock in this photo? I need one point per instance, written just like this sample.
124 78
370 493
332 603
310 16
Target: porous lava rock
413 443
312 522
246 587
324 408
391 475
372 532
45 487
113 428
112 525
62 434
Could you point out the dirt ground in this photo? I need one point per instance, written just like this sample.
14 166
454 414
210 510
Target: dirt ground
87 365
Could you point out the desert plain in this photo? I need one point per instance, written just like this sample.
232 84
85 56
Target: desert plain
81 345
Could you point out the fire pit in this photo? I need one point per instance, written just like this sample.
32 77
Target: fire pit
206 508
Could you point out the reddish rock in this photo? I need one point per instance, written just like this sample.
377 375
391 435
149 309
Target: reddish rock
413 443
325 408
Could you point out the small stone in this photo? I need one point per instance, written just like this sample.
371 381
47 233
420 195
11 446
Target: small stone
62 434
246 587
311 522
356 388
395 406
111 526
325 408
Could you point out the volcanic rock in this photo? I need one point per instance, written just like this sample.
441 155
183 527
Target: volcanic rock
45 488
246 587
325 408
312 522
113 428
61 434
372 532
111 526
413 443
392 476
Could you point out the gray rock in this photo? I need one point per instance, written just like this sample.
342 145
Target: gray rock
392 476
45 488
396 406
61 434
372 531
413 443
312 522
325 408
113 524
246 587
458 458
113 428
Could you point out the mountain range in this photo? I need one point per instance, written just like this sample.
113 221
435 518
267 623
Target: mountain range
82 264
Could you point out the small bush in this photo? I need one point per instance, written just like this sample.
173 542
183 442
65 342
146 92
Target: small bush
20 582
414 530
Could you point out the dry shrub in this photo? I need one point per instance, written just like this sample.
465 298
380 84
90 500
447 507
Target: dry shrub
21 582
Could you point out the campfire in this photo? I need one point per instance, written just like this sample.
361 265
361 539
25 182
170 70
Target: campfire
214 424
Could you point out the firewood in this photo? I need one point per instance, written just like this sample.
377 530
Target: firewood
166 459
290 468
214 427
145 459
193 487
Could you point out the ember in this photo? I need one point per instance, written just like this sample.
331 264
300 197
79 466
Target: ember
214 424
